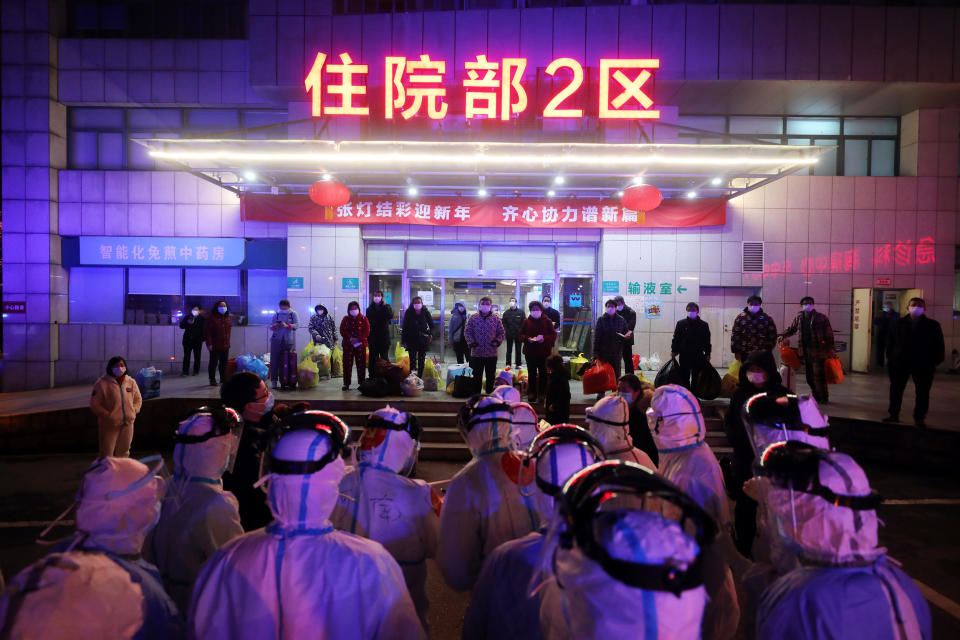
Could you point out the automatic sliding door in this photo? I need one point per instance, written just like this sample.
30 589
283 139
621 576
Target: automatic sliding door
430 290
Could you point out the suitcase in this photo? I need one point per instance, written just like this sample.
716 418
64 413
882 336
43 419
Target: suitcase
288 370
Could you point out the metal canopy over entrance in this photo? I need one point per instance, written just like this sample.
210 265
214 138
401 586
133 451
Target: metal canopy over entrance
501 168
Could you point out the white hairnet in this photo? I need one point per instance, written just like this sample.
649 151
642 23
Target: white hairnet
119 503
524 424
674 418
304 501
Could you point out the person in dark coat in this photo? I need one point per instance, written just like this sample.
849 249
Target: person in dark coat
886 323
753 330
216 333
537 336
557 395
417 333
608 337
816 345
630 316
638 394
458 322
550 312
192 325
758 374
379 315
691 342
512 318
916 348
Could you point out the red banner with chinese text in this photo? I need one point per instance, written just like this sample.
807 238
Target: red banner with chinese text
556 213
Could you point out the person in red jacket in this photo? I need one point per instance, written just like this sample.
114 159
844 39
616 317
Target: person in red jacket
216 333
537 335
354 329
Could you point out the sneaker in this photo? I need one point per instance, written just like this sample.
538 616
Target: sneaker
921 424
213 383
892 418
345 388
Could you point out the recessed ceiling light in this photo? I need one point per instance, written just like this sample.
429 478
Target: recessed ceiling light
559 180
716 182
619 194
691 194
551 193
249 175
412 191
326 177
637 180
482 192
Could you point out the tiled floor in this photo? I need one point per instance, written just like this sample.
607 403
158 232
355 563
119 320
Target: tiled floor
860 396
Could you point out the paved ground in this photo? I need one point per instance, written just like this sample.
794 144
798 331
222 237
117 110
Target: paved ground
922 535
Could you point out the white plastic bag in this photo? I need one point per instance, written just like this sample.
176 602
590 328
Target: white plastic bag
654 363
412 386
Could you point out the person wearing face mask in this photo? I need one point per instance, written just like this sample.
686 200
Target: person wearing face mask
192 325
916 348
753 330
379 315
380 502
537 336
198 516
417 333
216 333
284 326
300 577
886 325
322 328
638 394
550 312
758 374
484 334
691 341
115 401
96 585
630 316
816 345
354 329
458 322
512 320
609 336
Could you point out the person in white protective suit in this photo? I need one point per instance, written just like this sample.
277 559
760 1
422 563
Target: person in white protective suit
97 586
377 500
686 460
298 577
824 512
501 605
524 426
198 516
609 421
491 500
618 570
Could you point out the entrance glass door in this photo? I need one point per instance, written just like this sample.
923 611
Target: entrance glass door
430 290
578 313
392 285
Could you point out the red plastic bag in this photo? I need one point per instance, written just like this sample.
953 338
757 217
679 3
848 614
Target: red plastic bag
789 357
636 361
834 370
599 377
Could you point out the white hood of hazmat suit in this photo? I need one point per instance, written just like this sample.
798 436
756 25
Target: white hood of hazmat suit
609 421
300 578
524 425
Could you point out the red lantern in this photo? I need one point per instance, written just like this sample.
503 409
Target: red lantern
642 197
329 193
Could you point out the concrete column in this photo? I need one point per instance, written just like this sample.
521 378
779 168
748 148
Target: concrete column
930 143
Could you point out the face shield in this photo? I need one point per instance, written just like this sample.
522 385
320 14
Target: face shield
769 419
391 441
821 503
485 424
559 452
206 443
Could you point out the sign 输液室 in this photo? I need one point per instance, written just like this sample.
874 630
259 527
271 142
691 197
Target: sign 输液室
350 284
294 282
161 252
611 286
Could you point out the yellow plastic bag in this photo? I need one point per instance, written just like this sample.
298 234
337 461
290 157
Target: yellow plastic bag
308 374
429 370
336 362
734 369
399 353
575 364
308 351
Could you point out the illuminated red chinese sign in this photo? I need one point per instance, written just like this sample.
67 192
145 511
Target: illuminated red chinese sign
902 253
492 89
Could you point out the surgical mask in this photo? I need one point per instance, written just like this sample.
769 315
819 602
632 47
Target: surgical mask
195 313
119 371
756 377
536 314
513 304
808 308
627 395
222 309
693 314
546 304
619 307
916 312
418 306
611 310
754 308
484 308
260 409
354 312
377 299
284 309
321 312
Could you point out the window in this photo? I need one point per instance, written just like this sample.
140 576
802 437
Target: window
96 295
195 19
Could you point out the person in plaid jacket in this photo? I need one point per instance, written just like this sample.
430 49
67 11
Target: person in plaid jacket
816 345
753 330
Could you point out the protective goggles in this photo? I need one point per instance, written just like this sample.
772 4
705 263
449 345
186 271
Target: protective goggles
225 420
471 415
321 422
609 487
556 435
411 425
796 465
779 412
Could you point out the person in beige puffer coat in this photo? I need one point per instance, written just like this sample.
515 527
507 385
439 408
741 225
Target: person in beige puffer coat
116 401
